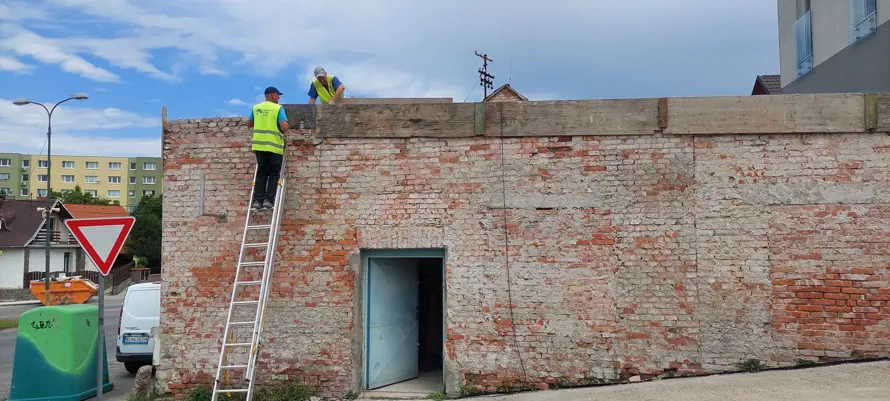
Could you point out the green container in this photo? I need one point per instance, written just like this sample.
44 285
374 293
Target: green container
55 355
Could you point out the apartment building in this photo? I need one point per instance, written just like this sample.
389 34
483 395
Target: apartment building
834 46
121 179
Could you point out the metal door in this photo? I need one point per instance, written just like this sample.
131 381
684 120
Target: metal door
392 320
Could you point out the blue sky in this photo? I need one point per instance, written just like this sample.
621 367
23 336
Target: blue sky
208 58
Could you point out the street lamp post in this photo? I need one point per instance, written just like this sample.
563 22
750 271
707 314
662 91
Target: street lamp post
49 132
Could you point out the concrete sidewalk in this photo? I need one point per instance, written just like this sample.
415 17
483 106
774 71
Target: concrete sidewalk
848 382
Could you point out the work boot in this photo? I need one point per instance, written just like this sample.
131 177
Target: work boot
268 205
257 205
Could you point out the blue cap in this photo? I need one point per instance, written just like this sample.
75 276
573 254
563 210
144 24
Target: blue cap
272 89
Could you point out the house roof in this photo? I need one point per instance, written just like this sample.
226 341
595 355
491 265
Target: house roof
504 87
21 220
772 83
93 211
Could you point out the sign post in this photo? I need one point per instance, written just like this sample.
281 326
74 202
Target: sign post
102 239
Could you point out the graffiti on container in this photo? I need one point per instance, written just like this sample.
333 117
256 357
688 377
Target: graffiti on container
42 324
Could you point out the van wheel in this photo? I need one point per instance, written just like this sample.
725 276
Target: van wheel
132 367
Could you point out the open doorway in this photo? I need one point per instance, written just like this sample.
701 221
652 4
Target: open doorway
404 321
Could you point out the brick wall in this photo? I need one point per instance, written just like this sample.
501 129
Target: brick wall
645 237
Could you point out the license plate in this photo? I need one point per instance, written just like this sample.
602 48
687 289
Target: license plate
135 339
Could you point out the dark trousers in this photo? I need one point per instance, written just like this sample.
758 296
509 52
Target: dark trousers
267 175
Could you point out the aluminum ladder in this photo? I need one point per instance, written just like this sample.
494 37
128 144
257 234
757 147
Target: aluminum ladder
229 342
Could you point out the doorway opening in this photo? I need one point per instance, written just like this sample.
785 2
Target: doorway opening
404 321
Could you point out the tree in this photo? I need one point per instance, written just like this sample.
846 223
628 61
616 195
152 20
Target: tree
145 239
78 197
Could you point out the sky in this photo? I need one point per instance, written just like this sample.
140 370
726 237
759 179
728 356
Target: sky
213 58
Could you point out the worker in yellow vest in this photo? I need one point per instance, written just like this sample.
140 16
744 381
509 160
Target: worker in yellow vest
328 89
269 124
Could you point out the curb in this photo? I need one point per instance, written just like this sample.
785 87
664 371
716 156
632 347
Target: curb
15 303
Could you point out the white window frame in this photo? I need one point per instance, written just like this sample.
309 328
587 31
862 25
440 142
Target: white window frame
6 191
92 168
7 175
26 163
67 176
131 193
64 165
133 166
146 178
44 176
25 192
5 162
42 163
92 192
114 179
132 180
148 192
43 191
86 179
146 164
26 177
111 166
114 190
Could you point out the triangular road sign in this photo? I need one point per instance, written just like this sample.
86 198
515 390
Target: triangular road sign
102 238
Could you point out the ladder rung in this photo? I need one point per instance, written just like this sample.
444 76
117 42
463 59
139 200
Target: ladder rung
237 345
231 390
261 226
245 302
257 245
233 367
241 324
253 263
255 282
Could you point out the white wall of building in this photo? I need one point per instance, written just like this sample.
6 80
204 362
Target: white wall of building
12 264
57 259
831 31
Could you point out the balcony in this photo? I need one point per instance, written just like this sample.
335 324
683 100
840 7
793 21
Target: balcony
803 43
56 238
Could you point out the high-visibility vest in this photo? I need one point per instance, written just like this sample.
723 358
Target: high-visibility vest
325 94
267 137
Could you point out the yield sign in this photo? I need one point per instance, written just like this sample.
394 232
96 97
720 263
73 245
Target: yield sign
102 238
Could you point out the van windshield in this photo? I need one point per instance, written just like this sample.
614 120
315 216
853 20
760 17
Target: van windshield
144 303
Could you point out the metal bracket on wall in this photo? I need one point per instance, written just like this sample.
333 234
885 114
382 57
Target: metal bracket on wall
221 216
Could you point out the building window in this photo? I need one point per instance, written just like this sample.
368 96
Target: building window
131 208
132 180
41 193
133 166
25 192
91 179
26 177
67 178
66 191
67 164
43 163
5 176
114 193
148 193
92 192
863 19
114 179
803 42
148 180
26 163
5 162
131 193
42 177
92 165
149 166
6 191
114 165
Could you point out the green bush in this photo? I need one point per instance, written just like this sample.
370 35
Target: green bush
201 394
290 391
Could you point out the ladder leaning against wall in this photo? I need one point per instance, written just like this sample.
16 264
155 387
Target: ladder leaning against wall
230 341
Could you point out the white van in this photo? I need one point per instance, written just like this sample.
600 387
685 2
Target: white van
140 316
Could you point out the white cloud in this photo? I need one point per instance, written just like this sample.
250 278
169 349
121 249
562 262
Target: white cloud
26 43
77 130
12 64
236 102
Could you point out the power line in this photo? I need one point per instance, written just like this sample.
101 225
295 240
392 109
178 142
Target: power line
472 88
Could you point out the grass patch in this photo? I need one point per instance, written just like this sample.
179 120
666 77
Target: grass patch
9 324
803 362
438 396
751 365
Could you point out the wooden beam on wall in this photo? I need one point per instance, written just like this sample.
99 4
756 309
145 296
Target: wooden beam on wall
572 118
437 120
766 114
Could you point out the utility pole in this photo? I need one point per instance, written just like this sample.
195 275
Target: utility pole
485 79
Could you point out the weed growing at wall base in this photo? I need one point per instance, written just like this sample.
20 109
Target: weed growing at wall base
8 323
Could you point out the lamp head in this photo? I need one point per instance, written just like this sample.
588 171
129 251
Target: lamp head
79 96
21 101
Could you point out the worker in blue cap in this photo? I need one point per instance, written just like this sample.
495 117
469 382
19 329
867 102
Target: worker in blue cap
269 124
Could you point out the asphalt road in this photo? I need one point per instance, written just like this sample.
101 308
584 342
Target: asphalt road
123 380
